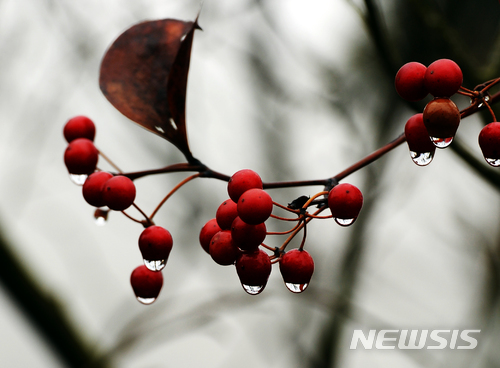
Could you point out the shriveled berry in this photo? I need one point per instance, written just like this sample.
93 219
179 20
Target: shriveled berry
247 237
345 201
443 78
296 267
146 284
253 270
441 118
79 127
255 206
93 188
409 81
207 232
226 213
241 181
155 243
119 193
222 248
489 142
81 156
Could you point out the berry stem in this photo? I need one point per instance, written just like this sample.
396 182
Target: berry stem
284 218
284 232
285 208
267 247
303 242
178 186
134 219
299 227
308 203
319 217
109 161
490 109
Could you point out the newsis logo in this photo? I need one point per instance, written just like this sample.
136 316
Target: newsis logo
415 339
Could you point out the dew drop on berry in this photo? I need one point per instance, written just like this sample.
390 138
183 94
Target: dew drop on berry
155 265
146 301
441 142
78 179
296 288
422 158
101 216
252 289
495 162
345 222
100 221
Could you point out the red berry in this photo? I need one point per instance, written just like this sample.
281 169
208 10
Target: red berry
441 118
417 136
345 202
222 248
226 213
241 181
155 243
253 271
79 127
81 156
93 187
409 81
489 142
255 206
247 237
443 78
296 267
146 284
421 147
119 193
207 232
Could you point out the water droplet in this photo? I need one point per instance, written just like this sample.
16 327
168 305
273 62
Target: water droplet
422 158
156 265
441 142
252 289
146 301
183 37
344 222
160 129
486 98
101 216
493 161
78 179
296 288
480 105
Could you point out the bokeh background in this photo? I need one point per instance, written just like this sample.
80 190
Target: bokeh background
294 90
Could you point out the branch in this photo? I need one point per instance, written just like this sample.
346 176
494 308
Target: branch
45 312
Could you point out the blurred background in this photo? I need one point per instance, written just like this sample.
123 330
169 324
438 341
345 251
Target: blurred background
294 90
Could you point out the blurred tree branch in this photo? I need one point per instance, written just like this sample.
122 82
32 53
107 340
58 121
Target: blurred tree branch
44 311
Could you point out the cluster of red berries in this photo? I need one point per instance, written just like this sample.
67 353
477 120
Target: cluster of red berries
238 230
106 191
438 124
236 235
100 188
